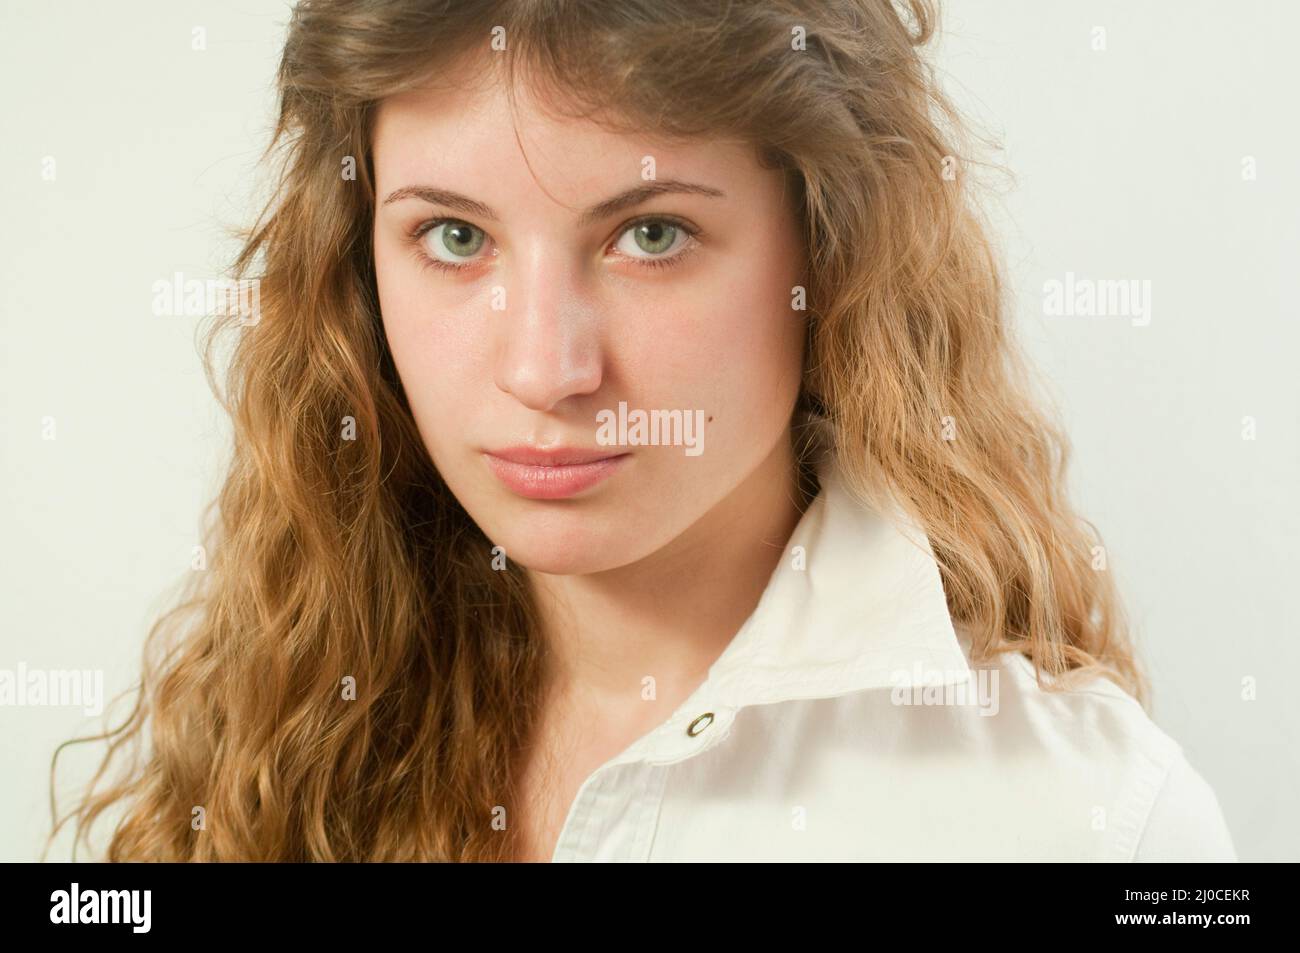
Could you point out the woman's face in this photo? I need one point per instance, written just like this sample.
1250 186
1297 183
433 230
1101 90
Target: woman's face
539 292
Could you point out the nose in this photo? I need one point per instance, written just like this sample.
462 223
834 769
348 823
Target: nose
547 336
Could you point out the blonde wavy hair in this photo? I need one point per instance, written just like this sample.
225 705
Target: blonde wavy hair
337 558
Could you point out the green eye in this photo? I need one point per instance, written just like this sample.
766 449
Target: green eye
654 237
454 241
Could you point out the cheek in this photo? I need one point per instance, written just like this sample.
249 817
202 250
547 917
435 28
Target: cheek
433 344
403 317
764 331
736 346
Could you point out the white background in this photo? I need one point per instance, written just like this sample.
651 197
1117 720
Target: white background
1127 164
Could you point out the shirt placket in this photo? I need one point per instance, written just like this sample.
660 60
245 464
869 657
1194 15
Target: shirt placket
616 810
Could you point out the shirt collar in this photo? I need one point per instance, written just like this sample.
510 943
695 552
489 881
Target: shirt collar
856 603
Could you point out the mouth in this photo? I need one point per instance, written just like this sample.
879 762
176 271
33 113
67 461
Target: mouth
552 474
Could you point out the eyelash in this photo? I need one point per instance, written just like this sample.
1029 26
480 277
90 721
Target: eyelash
428 261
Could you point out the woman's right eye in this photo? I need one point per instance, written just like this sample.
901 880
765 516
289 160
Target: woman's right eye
453 242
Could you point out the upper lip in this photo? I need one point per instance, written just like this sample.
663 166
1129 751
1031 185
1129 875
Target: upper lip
553 456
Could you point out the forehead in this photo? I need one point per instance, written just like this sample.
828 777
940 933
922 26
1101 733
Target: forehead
466 129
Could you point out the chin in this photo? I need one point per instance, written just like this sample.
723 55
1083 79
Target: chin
572 547
608 529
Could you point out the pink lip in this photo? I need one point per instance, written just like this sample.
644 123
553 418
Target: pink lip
552 474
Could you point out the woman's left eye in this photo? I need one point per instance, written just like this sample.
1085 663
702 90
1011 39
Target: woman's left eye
652 239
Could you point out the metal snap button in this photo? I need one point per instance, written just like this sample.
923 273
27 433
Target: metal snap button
700 723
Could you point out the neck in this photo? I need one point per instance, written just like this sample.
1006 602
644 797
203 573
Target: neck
670 615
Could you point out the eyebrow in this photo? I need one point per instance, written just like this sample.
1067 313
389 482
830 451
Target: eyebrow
619 203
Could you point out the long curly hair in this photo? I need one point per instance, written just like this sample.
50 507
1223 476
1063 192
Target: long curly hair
349 678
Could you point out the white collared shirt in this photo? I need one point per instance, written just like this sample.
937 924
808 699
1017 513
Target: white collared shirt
803 743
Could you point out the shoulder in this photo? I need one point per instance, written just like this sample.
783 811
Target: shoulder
1155 804
1186 822
1008 770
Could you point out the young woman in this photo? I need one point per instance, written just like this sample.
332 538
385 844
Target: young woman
631 462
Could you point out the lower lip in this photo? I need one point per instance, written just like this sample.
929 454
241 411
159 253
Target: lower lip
554 482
